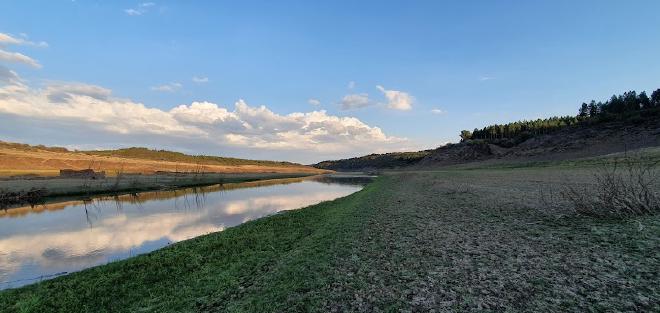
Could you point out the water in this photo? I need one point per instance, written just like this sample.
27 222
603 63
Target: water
58 238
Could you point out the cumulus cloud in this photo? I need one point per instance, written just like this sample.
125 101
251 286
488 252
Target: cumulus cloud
355 101
397 100
171 87
6 39
15 57
77 107
200 80
313 101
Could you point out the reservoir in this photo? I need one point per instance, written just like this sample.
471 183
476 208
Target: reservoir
54 239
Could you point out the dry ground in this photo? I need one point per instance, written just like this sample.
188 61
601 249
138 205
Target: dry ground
48 163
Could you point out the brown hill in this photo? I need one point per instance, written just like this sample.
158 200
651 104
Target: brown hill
576 141
22 159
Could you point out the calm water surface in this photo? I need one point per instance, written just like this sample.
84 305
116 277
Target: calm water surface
53 239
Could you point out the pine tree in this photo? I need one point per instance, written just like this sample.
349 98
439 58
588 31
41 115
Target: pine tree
644 100
584 110
655 99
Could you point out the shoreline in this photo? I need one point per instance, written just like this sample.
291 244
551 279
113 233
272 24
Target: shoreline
20 192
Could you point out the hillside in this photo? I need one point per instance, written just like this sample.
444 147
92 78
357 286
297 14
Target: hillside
626 122
376 161
171 156
577 141
23 159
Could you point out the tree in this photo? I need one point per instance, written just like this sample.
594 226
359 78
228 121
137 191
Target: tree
466 135
593 108
630 101
615 105
655 98
584 110
644 100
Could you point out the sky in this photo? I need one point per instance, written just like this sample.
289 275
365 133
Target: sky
307 81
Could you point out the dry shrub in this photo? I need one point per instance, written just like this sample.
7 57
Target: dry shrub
32 197
624 187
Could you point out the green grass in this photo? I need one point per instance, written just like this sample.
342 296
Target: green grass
411 241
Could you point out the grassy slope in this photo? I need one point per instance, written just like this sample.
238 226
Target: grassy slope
458 240
21 159
150 154
171 156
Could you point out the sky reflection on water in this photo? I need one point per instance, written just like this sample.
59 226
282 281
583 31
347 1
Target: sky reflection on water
70 236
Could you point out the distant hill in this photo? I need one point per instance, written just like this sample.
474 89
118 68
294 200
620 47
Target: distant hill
624 122
171 156
23 159
375 161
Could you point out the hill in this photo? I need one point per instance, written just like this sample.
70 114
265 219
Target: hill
171 156
376 161
23 159
624 122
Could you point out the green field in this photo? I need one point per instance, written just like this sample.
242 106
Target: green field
474 240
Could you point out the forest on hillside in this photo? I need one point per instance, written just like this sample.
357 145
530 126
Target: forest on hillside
629 105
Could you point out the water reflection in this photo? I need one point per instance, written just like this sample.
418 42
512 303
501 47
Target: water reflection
69 236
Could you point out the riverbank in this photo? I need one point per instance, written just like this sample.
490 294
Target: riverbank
477 240
37 190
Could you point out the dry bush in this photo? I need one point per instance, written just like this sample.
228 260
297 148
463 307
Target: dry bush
624 187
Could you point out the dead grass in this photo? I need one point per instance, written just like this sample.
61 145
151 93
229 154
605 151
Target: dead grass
623 187
14 161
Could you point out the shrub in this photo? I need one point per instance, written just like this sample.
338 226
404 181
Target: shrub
624 187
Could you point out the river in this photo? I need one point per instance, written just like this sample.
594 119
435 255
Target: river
54 239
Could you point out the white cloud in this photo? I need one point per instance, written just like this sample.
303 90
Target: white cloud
437 111
355 101
485 78
15 57
10 77
397 100
133 12
200 80
171 87
351 85
63 91
313 101
6 39
141 8
66 107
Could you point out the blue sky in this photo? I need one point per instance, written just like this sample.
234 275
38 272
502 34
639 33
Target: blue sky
475 62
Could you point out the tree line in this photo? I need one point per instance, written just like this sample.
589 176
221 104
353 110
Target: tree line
618 105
